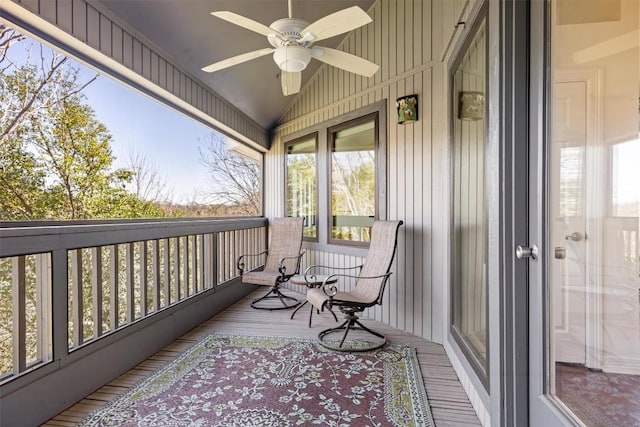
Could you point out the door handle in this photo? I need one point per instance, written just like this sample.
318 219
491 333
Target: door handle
527 252
576 236
559 252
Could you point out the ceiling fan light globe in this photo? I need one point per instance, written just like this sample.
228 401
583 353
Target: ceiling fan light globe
292 58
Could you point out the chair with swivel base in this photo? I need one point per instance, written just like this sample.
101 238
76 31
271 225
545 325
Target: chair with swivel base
282 262
371 278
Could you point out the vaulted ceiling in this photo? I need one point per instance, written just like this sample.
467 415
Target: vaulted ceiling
186 32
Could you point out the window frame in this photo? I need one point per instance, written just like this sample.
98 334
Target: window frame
298 140
480 368
331 132
323 184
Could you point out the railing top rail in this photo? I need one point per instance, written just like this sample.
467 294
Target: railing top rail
67 222
44 237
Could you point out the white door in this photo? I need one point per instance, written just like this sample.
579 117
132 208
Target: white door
594 219
568 266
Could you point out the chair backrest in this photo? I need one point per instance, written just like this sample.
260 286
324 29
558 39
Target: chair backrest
382 249
285 240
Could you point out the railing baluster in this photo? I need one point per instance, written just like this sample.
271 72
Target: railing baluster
235 236
156 275
185 266
256 246
232 252
19 313
130 271
43 302
209 260
226 255
143 278
193 253
220 243
114 283
215 252
176 269
167 272
216 256
201 263
239 249
77 297
96 284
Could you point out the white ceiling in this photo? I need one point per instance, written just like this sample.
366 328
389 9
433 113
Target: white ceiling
187 33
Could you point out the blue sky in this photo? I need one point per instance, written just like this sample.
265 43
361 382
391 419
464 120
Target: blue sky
169 139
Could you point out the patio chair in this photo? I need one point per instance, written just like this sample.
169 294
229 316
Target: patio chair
282 262
371 279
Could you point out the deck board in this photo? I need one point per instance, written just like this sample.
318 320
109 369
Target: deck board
449 403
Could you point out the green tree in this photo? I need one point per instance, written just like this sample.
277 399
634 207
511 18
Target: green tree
55 156
235 177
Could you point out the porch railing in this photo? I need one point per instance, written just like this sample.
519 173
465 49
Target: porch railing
93 279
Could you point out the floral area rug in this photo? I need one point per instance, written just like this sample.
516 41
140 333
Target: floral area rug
599 399
229 380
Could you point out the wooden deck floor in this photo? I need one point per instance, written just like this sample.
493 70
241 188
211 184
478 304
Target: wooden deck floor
449 403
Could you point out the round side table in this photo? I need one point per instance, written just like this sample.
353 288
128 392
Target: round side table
318 280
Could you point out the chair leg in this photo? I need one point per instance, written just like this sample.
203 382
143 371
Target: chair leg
364 328
350 324
297 309
272 294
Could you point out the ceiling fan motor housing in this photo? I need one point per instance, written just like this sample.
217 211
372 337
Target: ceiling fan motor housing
290 28
291 55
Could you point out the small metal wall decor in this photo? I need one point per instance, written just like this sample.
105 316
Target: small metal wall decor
407 107
471 106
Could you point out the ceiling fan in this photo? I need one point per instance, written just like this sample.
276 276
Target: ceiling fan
292 40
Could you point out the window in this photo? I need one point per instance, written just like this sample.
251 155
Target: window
624 177
469 246
351 194
301 183
353 180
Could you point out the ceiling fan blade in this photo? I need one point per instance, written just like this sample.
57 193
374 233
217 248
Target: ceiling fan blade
247 23
235 60
290 82
345 61
339 22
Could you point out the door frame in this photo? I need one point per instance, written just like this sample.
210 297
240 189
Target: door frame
508 181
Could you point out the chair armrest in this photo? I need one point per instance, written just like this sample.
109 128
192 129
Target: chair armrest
308 271
283 268
330 289
240 263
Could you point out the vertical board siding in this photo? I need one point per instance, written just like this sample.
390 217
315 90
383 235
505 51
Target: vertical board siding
401 39
98 30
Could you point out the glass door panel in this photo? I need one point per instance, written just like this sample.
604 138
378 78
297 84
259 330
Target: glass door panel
593 212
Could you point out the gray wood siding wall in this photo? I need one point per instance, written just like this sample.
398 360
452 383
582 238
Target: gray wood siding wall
411 41
99 31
